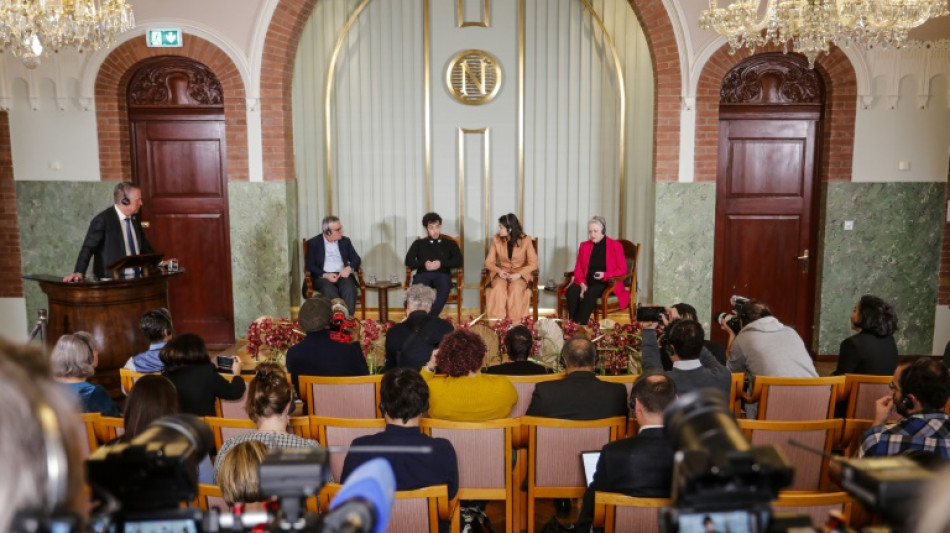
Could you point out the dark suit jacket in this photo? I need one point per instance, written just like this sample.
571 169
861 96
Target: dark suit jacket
419 350
199 385
319 355
640 466
316 253
579 396
866 353
517 368
105 239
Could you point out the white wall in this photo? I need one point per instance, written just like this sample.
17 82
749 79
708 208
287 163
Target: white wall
13 325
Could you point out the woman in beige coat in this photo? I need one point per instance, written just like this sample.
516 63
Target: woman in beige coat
510 263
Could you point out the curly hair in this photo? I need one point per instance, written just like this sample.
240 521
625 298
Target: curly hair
461 352
876 316
269 393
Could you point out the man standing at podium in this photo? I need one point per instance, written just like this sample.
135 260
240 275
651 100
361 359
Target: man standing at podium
113 233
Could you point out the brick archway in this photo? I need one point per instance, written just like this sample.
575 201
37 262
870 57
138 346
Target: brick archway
112 111
837 136
280 49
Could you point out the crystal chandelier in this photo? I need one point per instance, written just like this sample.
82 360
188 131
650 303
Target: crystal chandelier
30 28
812 25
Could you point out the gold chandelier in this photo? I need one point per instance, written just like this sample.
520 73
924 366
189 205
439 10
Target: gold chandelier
30 28
811 25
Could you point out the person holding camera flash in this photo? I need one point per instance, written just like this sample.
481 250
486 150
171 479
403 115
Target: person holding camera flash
694 367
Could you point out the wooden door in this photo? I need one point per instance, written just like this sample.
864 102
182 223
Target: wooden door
179 159
765 191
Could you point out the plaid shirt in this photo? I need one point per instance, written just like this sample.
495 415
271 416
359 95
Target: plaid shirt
921 431
272 440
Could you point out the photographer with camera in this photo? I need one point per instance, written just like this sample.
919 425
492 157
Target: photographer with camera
763 346
694 367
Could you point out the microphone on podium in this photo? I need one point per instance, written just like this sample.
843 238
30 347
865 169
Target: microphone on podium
365 501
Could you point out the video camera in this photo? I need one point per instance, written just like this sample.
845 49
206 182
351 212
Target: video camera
731 319
341 323
143 484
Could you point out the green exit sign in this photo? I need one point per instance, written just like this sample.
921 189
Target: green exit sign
163 38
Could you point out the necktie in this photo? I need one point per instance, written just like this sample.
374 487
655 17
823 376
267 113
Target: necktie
128 235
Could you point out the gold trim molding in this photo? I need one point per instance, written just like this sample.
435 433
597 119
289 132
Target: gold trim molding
460 15
473 77
486 175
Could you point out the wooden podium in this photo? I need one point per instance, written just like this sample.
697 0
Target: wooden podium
108 309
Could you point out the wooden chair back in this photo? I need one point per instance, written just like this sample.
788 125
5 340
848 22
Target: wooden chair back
108 428
89 442
127 378
413 511
225 428
209 497
458 282
360 284
795 398
484 452
524 385
336 434
811 470
863 391
554 455
852 435
631 252
736 388
618 512
233 408
532 286
341 397
817 506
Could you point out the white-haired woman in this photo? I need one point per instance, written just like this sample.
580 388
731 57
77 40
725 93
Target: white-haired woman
598 259
74 360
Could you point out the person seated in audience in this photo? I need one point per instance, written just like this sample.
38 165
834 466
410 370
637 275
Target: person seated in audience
74 360
464 393
641 465
36 413
188 366
686 310
151 398
433 258
511 261
404 398
872 350
693 366
918 396
319 355
409 344
157 327
765 347
239 477
580 395
270 400
518 343
333 263
598 259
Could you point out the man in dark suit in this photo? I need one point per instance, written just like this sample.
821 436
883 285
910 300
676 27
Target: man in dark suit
113 234
641 465
580 395
319 355
409 344
332 262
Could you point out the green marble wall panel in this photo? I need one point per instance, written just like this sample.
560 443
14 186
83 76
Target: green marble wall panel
893 252
53 217
260 254
683 246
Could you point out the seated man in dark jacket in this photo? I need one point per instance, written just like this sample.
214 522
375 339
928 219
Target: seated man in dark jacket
641 465
694 367
518 342
319 355
409 344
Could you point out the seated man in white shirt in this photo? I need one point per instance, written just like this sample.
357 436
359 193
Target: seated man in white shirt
333 262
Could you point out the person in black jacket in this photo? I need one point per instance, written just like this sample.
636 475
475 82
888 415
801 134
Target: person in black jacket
333 262
319 355
873 349
433 257
113 234
518 342
409 344
642 465
188 366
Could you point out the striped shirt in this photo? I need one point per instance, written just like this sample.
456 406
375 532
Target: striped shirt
921 431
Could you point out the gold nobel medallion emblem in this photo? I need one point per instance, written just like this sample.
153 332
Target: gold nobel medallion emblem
473 77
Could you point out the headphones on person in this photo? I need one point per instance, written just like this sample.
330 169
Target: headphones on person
328 231
907 403
125 195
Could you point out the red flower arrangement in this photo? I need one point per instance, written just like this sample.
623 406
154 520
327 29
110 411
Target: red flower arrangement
373 343
271 337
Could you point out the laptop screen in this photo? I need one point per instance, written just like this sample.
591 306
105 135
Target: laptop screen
589 459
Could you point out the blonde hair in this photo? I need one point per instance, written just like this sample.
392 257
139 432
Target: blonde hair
73 356
238 475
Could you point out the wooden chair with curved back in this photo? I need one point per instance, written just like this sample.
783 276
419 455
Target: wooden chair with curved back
532 286
862 391
554 450
606 304
617 512
224 428
233 408
414 511
127 378
108 428
209 497
852 434
336 434
736 386
795 398
458 282
811 469
360 284
341 397
818 506
89 442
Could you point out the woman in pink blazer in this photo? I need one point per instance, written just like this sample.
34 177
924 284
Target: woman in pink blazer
598 259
